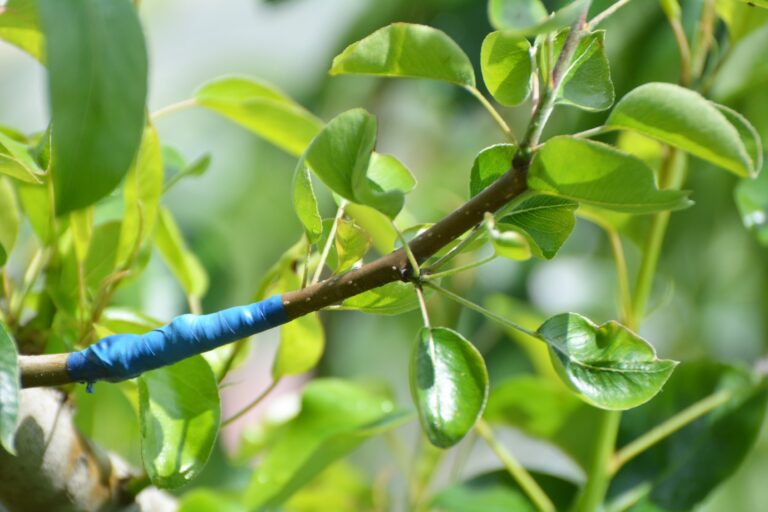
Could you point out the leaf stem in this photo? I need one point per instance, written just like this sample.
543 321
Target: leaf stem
604 15
30 276
668 427
408 252
599 474
515 469
463 268
173 108
625 297
329 242
476 307
423 307
474 91
256 401
592 132
457 249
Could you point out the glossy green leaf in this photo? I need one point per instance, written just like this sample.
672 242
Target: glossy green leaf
179 414
507 241
407 50
10 384
683 469
389 173
608 365
340 155
141 196
489 165
98 87
752 201
545 409
263 109
391 299
505 61
9 219
745 70
684 119
545 221
530 17
497 491
336 417
598 174
20 26
449 384
16 160
587 81
305 202
183 263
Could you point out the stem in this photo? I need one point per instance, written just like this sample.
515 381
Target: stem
625 300
485 312
256 401
515 469
682 46
601 17
446 273
599 474
592 132
329 243
408 253
423 307
705 37
30 276
668 427
173 108
457 249
494 113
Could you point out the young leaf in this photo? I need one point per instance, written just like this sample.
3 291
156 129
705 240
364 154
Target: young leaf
20 26
683 469
142 190
507 241
184 264
376 224
16 161
546 222
752 201
9 219
336 416
305 202
530 17
449 384
340 155
489 165
389 173
497 491
598 174
505 61
749 136
179 168
684 119
608 365
262 109
81 225
36 204
351 244
587 81
545 409
407 50
9 389
391 299
179 412
745 70
97 127
301 345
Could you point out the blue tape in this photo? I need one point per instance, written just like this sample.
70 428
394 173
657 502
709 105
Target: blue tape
124 356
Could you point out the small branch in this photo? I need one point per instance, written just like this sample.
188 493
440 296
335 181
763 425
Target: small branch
494 113
601 17
256 401
598 479
329 242
515 469
408 253
705 38
667 428
170 109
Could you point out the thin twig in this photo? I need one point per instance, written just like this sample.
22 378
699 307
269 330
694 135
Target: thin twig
329 242
170 109
494 113
601 17
256 401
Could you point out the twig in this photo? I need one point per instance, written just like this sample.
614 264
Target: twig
256 401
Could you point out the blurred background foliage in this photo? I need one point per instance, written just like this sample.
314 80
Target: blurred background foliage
711 293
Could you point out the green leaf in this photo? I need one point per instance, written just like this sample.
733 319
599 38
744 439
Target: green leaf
141 196
36 204
587 82
545 221
16 160
489 165
351 244
740 18
545 409
507 241
263 109
102 254
301 345
340 155
748 134
608 365
530 17
752 201
407 50
449 384
598 174
684 119
98 87
391 299
745 70
336 417
20 26
389 173
10 384
9 219
305 202
376 224
497 491
505 61
187 269
179 414
684 468
81 225
205 500
175 166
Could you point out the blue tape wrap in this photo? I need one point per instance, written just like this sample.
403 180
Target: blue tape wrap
124 356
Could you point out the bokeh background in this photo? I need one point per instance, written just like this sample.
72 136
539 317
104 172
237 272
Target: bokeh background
711 294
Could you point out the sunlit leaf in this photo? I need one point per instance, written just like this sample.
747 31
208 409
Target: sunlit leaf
545 221
305 202
587 81
301 344
407 50
608 365
36 204
530 17
20 26
745 70
350 245
206 499
507 241
506 64
98 86
489 165
179 414
598 174
10 219
183 263
17 161
262 109
81 225
449 384
391 299
9 389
